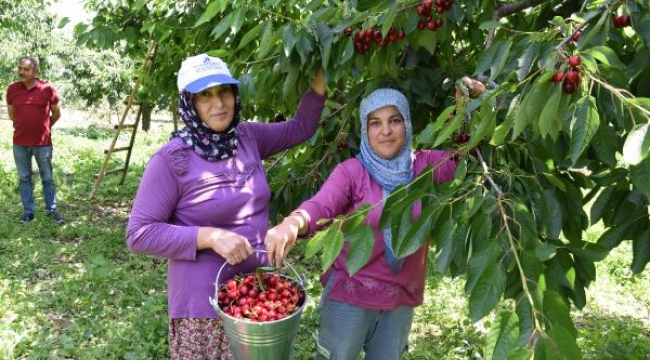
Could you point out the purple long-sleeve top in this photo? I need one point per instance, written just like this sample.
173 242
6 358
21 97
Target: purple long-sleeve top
180 192
375 286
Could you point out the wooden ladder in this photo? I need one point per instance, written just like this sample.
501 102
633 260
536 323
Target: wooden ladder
122 126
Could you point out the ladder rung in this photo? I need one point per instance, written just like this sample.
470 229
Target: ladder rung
118 149
124 126
115 171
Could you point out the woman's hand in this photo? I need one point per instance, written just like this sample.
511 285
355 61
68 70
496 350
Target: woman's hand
230 245
318 84
280 239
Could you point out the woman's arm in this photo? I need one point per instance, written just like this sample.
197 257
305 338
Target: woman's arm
149 230
272 138
335 197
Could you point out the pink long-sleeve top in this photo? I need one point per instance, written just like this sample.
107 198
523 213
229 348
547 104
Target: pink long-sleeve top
375 286
180 191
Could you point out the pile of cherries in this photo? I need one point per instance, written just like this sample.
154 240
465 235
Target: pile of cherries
363 39
260 297
427 21
571 78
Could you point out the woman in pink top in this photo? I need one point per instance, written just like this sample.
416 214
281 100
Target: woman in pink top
372 310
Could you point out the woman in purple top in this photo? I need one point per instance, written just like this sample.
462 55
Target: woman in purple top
204 199
372 310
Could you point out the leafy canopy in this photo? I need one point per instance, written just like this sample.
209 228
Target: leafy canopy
549 158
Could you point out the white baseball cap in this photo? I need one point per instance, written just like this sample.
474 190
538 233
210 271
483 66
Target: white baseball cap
200 72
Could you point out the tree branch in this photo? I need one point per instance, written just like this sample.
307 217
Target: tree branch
504 10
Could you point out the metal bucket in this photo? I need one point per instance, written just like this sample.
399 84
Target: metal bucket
271 340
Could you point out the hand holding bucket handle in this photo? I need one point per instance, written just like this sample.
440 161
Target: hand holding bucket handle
300 277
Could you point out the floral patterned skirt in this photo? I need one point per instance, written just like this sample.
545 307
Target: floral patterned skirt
198 339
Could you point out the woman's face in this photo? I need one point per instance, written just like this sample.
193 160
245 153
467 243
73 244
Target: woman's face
216 106
386 132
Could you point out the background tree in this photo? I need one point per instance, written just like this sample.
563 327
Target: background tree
84 77
556 144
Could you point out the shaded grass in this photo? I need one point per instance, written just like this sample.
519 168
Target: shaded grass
75 292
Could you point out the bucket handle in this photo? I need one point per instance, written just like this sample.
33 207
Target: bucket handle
301 278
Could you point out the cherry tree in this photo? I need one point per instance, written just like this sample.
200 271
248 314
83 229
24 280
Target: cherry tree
551 126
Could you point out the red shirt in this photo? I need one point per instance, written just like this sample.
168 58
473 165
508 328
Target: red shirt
31 112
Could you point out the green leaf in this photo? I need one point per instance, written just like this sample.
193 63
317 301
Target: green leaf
545 251
502 129
488 57
485 127
361 241
332 251
640 251
502 337
427 40
487 292
444 240
557 312
426 136
213 9
552 214
613 236
531 107
388 20
564 342
267 42
304 46
640 175
250 35
584 124
325 41
488 253
637 145
289 39
320 240
448 129
417 235
521 353
600 205
223 25
290 82
549 120
590 251
500 59
348 52
605 55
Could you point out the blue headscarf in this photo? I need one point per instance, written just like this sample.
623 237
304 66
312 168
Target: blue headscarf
388 173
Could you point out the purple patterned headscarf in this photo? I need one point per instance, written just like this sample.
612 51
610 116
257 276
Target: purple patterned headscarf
209 144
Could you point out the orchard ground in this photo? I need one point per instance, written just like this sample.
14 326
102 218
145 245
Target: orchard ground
75 292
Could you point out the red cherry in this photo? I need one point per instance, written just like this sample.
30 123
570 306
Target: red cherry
625 20
568 88
576 36
231 285
572 77
574 61
461 138
559 76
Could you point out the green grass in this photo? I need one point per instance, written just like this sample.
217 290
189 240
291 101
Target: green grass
75 292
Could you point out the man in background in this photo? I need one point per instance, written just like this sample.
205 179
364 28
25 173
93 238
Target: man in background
33 106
